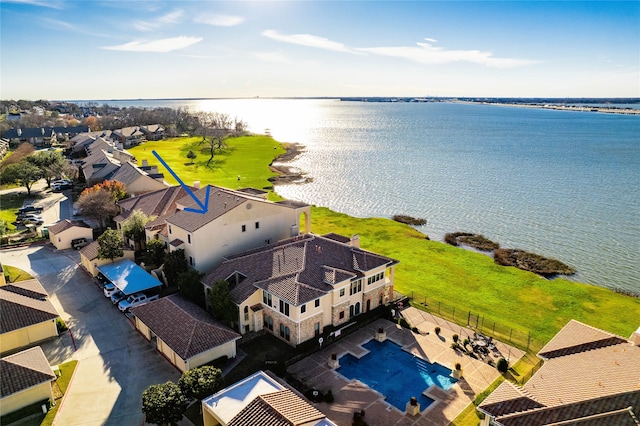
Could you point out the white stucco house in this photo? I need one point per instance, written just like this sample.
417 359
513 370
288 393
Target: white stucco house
64 232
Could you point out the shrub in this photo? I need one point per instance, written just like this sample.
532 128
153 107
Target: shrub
455 338
465 342
328 398
403 323
458 366
60 325
502 365
414 329
437 330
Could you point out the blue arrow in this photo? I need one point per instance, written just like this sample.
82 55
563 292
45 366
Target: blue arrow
204 207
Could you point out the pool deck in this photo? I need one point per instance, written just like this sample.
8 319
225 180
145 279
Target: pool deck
351 395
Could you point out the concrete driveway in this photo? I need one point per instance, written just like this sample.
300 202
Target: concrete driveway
116 364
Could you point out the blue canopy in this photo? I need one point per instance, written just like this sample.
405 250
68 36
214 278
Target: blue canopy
129 277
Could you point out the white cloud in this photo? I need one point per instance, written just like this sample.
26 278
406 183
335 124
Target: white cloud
425 53
51 4
162 45
220 20
308 40
431 40
168 19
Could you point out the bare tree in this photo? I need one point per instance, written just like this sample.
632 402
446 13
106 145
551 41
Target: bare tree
215 128
98 205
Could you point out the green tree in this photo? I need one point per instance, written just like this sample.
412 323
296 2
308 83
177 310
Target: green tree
134 227
191 156
215 128
23 173
154 253
110 245
98 205
198 383
50 164
174 265
164 403
220 303
190 287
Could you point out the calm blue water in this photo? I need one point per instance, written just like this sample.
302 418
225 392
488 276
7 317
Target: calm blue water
396 374
559 183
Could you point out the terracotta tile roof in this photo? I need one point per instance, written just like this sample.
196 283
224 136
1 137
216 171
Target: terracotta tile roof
298 269
29 288
577 337
282 408
599 411
65 224
186 328
177 242
160 203
24 370
19 309
90 251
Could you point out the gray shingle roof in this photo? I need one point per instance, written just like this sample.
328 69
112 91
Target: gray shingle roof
23 305
186 328
65 224
24 370
160 203
298 269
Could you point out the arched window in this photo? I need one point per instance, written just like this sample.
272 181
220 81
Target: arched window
281 330
286 333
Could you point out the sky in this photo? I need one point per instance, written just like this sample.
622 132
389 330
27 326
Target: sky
114 49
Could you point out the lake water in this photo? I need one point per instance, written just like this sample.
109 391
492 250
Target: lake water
558 183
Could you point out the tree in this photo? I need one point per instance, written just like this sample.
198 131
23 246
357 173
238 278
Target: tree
215 128
134 227
110 245
189 285
50 164
92 123
98 205
198 383
20 153
220 302
23 173
117 189
174 265
191 156
154 253
164 403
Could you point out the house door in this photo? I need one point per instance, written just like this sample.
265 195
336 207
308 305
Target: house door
368 305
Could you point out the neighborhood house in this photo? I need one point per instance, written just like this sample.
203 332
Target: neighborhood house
63 233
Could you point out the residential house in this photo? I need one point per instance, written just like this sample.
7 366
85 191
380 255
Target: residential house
81 141
65 133
26 379
64 232
298 286
235 221
153 132
260 399
589 377
184 333
28 316
37 136
128 136
99 166
138 181
89 257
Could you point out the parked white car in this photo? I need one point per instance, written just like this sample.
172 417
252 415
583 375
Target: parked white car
109 289
135 299
117 296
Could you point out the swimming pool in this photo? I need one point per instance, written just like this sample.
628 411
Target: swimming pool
395 373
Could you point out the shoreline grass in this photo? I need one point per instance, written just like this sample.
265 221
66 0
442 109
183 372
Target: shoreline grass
462 278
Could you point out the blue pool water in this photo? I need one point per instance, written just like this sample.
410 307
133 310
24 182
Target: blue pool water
395 373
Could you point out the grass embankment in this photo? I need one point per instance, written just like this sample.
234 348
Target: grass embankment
10 203
461 278
13 274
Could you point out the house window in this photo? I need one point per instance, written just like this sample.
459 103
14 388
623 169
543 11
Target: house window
341 314
375 278
316 329
268 322
317 302
266 298
189 238
244 228
284 307
257 225
341 292
191 260
286 333
356 287
267 242
169 229
281 330
246 313
303 309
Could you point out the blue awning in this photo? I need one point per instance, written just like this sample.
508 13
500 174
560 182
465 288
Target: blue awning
129 277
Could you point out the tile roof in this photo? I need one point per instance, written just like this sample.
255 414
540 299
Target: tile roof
128 173
282 408
90 251
65 224
298 269
185 327
159 204
587 367
23 370
22 304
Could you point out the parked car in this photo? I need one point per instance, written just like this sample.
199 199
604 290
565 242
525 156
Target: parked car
117 297
135 299
78 243
62 187
109 289
29 209
31 218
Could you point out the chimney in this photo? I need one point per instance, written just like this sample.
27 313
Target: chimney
145 163
635 338
196 184
355 241
19 131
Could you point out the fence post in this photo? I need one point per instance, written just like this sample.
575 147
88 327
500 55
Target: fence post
510 334
494 328
469 318
438 308
425 301
412 298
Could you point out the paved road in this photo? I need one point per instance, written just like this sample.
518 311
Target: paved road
116 364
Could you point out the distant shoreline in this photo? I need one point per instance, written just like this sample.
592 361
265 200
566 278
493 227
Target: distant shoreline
576 108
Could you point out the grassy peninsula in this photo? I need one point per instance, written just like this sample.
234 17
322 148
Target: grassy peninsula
461 278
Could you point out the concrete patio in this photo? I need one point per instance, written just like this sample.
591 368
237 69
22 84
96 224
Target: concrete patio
352 396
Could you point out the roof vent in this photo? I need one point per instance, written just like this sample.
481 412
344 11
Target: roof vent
196 184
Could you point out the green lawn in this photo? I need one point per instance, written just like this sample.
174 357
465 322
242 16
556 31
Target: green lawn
461 278
66 373
9 205
13 274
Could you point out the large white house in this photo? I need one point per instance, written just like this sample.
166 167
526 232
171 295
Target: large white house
236 220
297 287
